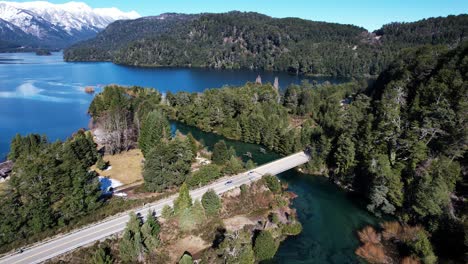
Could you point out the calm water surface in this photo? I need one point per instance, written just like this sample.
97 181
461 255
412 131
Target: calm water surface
45 95
329 216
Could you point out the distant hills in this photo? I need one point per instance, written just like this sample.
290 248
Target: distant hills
255 41
120 33
41 24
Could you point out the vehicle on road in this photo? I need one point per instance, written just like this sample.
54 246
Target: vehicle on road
228 182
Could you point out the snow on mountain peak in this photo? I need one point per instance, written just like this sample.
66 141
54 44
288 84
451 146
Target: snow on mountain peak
71 16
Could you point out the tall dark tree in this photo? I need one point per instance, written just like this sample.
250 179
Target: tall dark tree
131 245
155 128
167 165
211 202
220 153
150 231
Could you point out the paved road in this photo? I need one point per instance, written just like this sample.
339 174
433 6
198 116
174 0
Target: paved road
113 225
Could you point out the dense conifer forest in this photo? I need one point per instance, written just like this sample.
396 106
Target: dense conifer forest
237 40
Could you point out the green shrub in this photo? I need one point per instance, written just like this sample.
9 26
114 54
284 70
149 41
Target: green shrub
220 153
167 212
233 166
292 229
422 247
272 183
204 175
265 246
211 202
186 259
101 164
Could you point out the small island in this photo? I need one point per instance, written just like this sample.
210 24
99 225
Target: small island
89 90
43 52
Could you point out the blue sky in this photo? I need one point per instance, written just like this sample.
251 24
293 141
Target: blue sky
370 14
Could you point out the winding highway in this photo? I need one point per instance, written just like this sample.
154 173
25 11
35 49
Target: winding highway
59 245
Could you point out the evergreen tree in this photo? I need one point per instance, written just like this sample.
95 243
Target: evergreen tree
192 142
154 129
101 164
131 245
265 246
184 200
167 212
211 202
102 256
15 147
344 157
272 183
246 255
220 153
167 165
233 166
198 213
204 175
250 165
150 231
433 187
386 193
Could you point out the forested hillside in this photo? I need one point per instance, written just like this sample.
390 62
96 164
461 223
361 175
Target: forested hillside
253 41
400 143
120 33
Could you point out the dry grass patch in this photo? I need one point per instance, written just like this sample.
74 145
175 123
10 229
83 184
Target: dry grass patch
126 166
191 244
237 222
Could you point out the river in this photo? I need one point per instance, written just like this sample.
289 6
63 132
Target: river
46 95
330 216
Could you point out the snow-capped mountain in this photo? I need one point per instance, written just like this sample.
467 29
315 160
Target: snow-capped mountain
11 34
59 25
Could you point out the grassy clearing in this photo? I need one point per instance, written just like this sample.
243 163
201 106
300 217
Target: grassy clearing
126 166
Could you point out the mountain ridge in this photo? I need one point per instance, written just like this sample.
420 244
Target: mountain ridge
57 25
250 40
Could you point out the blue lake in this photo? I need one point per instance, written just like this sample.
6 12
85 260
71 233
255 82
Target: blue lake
46 95
43 94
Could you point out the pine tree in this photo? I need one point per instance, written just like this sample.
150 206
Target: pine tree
250 165
131 245
344 157
154 129
184 200
15 147
167 212
167 165
150 231
233 166
211 202
198 213
246 255
265 246
192 142
220 153
102 256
